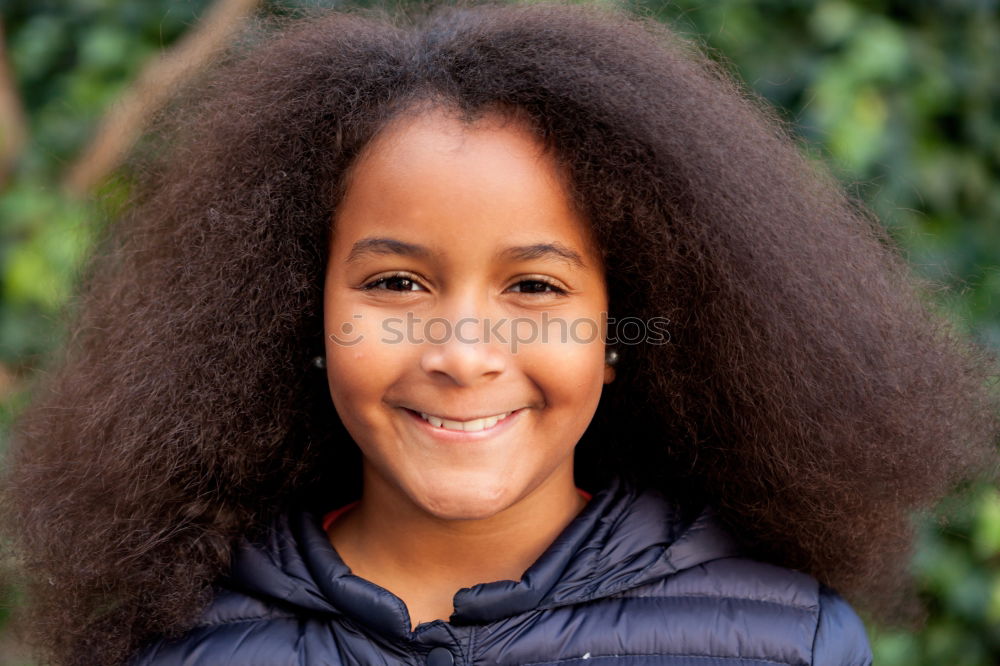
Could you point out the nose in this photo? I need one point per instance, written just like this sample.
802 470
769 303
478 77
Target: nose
463 348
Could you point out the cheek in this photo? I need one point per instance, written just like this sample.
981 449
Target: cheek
570 374
346 371
358 366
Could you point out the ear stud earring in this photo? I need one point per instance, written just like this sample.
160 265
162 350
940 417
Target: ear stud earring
319 362
611 356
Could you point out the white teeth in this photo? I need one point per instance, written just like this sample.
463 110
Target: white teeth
464 426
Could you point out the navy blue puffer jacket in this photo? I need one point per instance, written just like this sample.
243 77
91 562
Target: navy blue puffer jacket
627 582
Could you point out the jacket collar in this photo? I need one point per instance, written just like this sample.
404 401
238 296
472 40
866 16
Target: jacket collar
622 539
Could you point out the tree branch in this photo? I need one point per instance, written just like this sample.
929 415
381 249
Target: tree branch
127 118
13 124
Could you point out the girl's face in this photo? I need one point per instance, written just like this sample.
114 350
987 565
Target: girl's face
461 284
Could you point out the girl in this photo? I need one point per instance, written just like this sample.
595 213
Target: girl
496 335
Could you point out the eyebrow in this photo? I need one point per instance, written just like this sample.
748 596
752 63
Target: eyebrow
550 251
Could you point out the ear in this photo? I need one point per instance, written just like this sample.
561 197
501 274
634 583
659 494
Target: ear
609 374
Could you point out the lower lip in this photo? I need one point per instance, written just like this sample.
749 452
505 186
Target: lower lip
460 435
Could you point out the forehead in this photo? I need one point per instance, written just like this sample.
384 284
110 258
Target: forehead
435 174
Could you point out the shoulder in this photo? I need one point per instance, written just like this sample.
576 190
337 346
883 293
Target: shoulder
239 630
736 607
840 635
268 610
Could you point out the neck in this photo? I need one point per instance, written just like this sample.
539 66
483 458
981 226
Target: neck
392 542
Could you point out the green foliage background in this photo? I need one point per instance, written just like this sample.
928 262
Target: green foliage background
902 98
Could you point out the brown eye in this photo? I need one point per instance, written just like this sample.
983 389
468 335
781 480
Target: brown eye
538 287
392 283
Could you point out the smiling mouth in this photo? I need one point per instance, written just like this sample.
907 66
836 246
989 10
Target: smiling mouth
475 425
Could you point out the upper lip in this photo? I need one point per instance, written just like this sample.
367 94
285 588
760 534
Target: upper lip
462 418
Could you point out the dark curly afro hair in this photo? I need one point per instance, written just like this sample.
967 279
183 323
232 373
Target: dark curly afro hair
810 391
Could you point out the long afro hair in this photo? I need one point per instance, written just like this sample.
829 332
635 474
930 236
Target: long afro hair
809 390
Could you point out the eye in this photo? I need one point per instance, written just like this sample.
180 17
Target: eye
402 280
537 286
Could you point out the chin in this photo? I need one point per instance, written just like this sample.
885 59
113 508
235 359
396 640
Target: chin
470 503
